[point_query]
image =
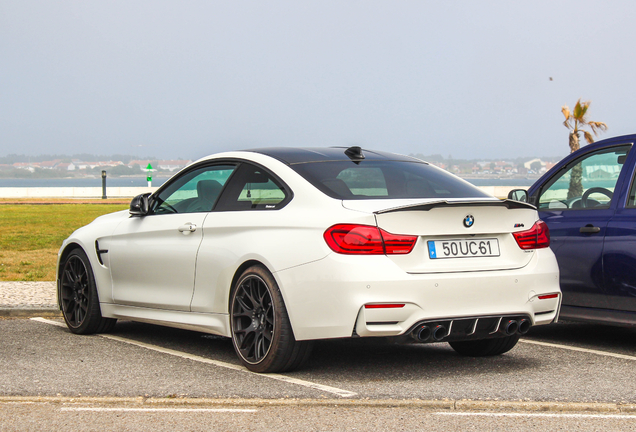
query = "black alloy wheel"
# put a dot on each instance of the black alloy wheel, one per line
(78, 296)
(253, 319)
(261, 332)
(75, 291)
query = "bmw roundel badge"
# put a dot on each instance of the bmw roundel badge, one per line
(469, 220)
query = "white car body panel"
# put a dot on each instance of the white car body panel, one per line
(218, 324)
(446, 223)
(142, 278)
(152, 262)
(320, 310)
(230, 239)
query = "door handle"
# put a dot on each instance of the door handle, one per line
(187, 228)
(590, 229)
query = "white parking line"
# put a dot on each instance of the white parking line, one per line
(562, 415)
(585, 350)
(46, 321)
(215, 410)
(278, 377)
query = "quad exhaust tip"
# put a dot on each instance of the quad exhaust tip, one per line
(510, 327)
(433, 332)
(439, 333)
(524, 326)
(425, 333)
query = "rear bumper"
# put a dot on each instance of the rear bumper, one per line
(327, 298)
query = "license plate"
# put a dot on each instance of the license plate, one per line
(439, 249)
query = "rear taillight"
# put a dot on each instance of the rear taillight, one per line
(352, 239)
(397, 244)
(536, 237)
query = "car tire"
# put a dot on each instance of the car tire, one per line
(261, 331)
(78, 296)
(485, 347)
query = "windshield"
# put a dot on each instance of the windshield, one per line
(385, 180)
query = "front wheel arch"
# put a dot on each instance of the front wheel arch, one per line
(65, 253)
(77, 294)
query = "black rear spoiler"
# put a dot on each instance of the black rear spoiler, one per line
(510, 204)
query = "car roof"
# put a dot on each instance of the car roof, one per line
(297, 155)
(608, 142)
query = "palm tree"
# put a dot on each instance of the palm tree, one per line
(575, 121)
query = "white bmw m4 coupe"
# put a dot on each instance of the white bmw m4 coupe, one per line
(278, 247)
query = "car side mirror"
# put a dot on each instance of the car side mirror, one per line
(518, 195)
(140, 205)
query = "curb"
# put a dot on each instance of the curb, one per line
(451, 405)
(50, 312)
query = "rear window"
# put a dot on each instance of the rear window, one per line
(385, 180)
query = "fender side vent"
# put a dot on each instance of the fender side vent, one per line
(100, 252)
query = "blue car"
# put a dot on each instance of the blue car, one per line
(588, 202)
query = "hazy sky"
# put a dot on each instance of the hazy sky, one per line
(184, 79)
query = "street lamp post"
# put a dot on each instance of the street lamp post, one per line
(103, 184)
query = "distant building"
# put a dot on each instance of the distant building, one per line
(528, 164)
(142, 163)
(50, 164)
(100, 164)
(29, 166)
(602, 172)
(87, 165)
(110, 163)
(168, 165)
(65, 166)
(172, 165)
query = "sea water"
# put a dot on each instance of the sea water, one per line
(158, 181)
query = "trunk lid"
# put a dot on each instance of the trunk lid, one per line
(455, 235)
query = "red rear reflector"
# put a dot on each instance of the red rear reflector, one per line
(548, 296)
(367, 240)
(384, 306)
(536, 237)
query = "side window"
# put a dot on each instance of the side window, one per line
(194, 191)
(588, 183)
(253, 188)
(631, 199)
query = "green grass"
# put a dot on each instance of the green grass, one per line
(31, 235)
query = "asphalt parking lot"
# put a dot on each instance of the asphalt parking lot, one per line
(567, 376)
(563, 363)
